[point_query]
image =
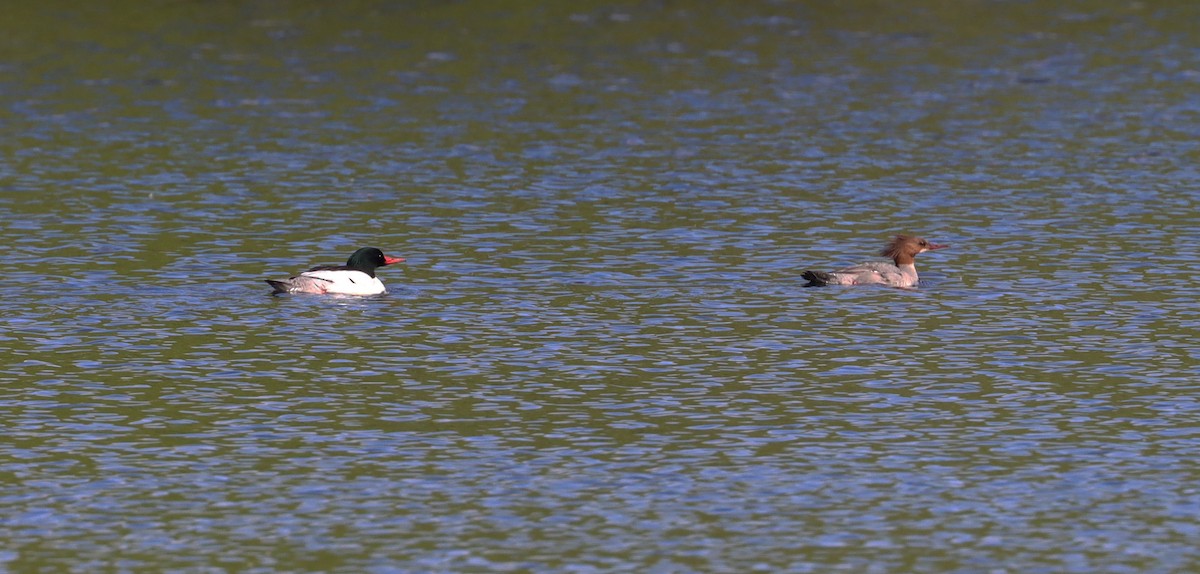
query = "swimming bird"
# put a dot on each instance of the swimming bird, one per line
(901, 272)
(356, 277)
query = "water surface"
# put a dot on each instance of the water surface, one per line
(599, 356)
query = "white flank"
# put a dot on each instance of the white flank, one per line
(348, 282)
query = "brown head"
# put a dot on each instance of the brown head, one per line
(903, 249)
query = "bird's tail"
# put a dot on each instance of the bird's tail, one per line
(279, 286)
(816, 278)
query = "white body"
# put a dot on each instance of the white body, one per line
(337, 281)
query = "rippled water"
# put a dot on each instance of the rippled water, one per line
(599, 356)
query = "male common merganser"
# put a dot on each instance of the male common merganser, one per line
(356, 277)
(902, 272)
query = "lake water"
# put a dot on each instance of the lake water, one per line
(599, 356)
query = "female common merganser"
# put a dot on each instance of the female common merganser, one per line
(356, 277)
(901, 273)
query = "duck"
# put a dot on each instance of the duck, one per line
(356, 277)
(900, 272)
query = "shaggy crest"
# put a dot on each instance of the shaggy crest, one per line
(896, 246)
